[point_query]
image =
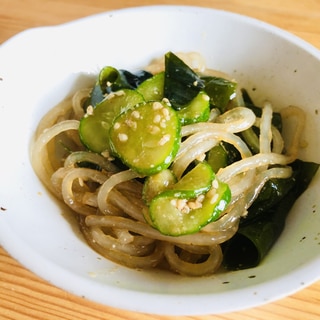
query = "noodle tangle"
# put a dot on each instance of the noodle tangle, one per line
(108, 201)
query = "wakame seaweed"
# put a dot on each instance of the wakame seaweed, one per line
(181, 83)
(266, 218)
(220, 91)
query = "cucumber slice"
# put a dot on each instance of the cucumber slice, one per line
(217, 158)
(157, 183)
(198, 110)
(195, 182)
(152, 88)
(222, 155)
(94, 128)
(146, 138)
(175, 216)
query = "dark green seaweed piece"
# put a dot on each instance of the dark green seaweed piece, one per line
(96, 96)
(111, 79)
(220, 91)
(256, 236)
(181, 83)
(272, 192)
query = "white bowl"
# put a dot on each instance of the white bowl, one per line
(40, 67)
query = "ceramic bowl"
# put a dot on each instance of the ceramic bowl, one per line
(40, 67)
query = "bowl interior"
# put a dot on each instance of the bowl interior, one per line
(53, 62)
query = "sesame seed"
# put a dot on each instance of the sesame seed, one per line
(106, 154)
(131, 124)
(166, 101)
(194, 205)
(185, 210)
(214, 198)
(166, 113)
(157, 118)
(163, 124)
(153, 129)
(174, 202)
(215, 184)
(157, 105)
(164, 139)
(123, 137)
(200, 198)
(181, 203)
(135, 114)
(90, 110)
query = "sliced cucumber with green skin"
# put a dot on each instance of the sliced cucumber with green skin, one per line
(147, 137)
(152, 88)
(175, 216)
(94, 127)
(157, 183)
(217, 158)
(198, 110)
(194, 183)
(222, 155)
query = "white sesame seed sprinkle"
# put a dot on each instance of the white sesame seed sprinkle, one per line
(157, 118)
(166, 113)
(153, 129)
(214, 198)
(174, 202)
(90, 110)
(157, 105)
(123, 137)
(200, 198)
(131, 124)
(135, 114)
(164, 139)
(166, 101)
(215, 184)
